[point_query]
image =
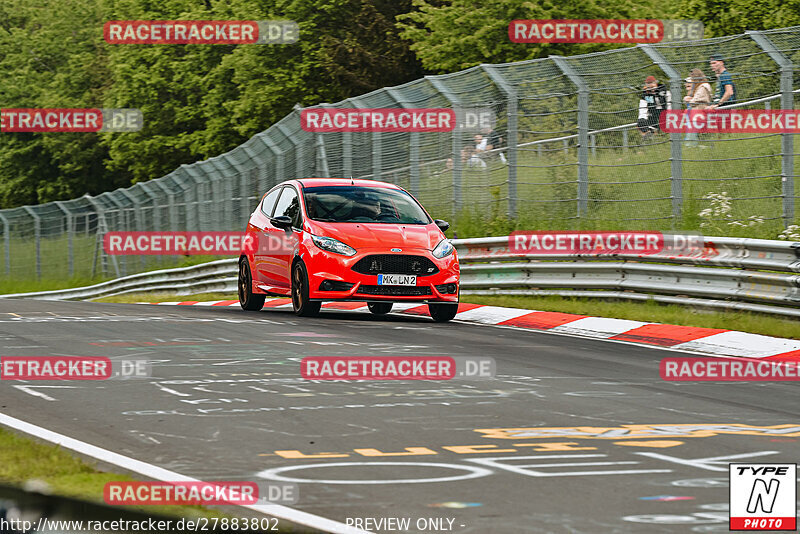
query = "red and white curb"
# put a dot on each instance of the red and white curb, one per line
(709, 341)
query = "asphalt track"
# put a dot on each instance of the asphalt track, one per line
(226, 394)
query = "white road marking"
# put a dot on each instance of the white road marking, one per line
(30, 391)
(165, 475)
(707, 463)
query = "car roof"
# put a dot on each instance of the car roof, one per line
(317, 182)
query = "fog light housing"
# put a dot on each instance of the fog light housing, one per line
(335, 285)
(447, 289)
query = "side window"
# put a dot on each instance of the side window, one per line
(269, 201)
(289, 205)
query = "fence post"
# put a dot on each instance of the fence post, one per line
(413, 148)
(102, 226)
(194, 188)
(230, 222)
(787, 139)
(70, 251)
(272, 146)
(676, 155)
(154, 199)
(7, 241)
(376, 146)
(137, 219)
(37, 235)
(121, 210)
(457, 141)
(583, 132)
(512, 103)
(298, 152)
(157, 226)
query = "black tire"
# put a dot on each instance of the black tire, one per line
(303, 307)
(442, 312)
(380, 308)
(247, 299)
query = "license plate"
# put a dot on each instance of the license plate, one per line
(397, 280)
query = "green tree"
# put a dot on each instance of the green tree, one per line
(457, 34)
(730, 17)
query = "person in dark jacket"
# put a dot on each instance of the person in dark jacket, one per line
(654, 100)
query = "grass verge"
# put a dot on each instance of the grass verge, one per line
(23, 459)
(651, 311)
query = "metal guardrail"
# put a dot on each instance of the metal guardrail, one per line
(731, 273)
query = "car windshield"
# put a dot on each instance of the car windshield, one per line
(351, 203)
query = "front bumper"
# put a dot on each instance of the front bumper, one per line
(322, 266)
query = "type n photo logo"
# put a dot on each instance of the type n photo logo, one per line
(763, 497)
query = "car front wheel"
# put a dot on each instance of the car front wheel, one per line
(380, 308)
(442, 312)
(303, 307)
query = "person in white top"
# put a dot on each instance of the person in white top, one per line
(698, 98)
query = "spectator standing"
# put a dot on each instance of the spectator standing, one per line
(655, 99)
(698, 98)
(726, 90)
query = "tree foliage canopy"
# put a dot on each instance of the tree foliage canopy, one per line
(201, 100)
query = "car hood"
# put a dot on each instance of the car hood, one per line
(376, 235)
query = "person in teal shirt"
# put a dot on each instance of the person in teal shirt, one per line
(726, 90)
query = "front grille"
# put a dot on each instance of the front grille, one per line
(395, 291)
(395, 264)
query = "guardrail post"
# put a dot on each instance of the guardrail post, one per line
(676, 156)
(787, 139)
(7, 243)
(455, 102)
(37, 236)
(583, 132)
(68, 228)
(512, 103)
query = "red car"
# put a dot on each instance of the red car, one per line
(349, 240)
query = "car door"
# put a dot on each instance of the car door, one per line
(261, 225)
(288, 205)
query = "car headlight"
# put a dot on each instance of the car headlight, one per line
(332, 245)
(443, 249)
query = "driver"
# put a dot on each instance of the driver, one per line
(369, 206)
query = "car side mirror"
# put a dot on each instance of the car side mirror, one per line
(281, 221)
(443, 225)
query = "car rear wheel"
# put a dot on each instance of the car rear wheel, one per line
(247, 299)
(380, 308)
(303, 307)
(442, 312)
